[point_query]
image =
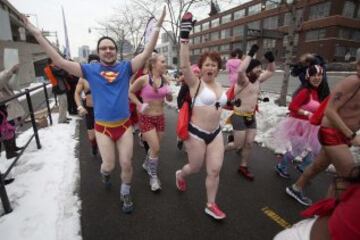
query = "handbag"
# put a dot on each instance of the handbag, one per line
(184, 116)
(7, 131)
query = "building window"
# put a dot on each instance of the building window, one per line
(239, 14)
(215, 22)
(299, 15)
(226, 19)
(206, 37)
(238, 31)
(197, 28)
(315, 34)
(340, 51)
(254, 25)
(214, 36)
(286, 40)
(236, 45)
(271, 23)
(205, 26)
(254, 9)
(272, 4)
(214, 48)
(197, 51)
(225, 47)
(165, 49)
(356, 36)
(349, 9)
(225, 33)
(319, 11)
(269, 44)
(197, 40)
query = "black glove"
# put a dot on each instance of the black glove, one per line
(186, 26)
(254, 48)
(269, 56)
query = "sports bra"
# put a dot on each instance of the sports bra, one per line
(207, 97)
(148, 93)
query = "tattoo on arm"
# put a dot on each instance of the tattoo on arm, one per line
(338, 96)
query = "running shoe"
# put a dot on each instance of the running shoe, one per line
(180, 183)
(127, 203)
(246, 173)
(214, 211)
(106, 180)
(281, 172)
(155, 183)
(298, 196)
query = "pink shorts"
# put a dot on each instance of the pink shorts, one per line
(147, 123)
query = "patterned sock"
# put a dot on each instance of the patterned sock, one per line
(125, 189)
(153, 166)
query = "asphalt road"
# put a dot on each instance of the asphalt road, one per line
(255, 210)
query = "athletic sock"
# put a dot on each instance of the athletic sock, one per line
(125, 189)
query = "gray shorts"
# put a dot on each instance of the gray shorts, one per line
(241, 123)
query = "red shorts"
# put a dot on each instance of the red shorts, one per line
(147, 123)
(113, 132)
(332, 137)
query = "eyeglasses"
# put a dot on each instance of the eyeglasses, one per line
(111, 48)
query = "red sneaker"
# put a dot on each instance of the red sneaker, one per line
(213, 210)
(180, 183)
(246, 173)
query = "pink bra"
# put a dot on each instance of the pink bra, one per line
(148, 93)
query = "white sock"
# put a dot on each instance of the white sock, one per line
(125, 189)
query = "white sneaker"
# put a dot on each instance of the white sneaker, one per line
(155, 184)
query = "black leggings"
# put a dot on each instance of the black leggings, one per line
(205, 136)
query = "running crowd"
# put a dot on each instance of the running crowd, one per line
(320, 127)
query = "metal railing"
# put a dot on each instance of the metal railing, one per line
(3, 195)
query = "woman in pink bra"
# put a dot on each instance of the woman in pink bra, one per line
(295, 132)
(154, 89)
(205, 142)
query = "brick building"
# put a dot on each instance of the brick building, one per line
(328, 27)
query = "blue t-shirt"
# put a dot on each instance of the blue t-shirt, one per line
(110, 89)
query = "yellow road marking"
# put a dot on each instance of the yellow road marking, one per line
(275, 217)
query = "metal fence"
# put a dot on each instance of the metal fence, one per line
(3, 195)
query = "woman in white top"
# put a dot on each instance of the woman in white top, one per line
(205, 143)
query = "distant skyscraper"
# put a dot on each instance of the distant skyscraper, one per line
(84, 52)
(67, 45)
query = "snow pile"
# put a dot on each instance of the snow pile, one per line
(43, 196)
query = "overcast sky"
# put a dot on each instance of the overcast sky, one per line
(80, 15)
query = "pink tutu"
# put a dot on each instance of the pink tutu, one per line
(299, 134)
